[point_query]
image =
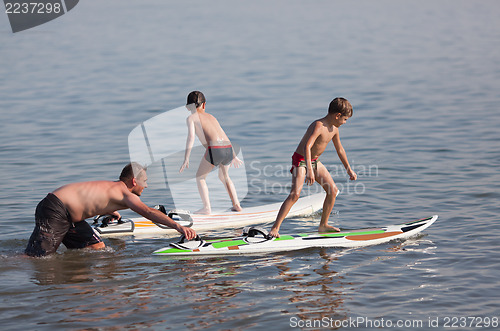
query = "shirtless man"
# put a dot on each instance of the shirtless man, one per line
(219, 150)
(306, 164)
(60, 217)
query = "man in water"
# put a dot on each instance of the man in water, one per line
(60, 216)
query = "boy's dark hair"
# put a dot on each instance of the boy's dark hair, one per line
(195, 97)
(131, 170)
(340, 105)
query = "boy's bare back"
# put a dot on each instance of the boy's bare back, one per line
(207, 129)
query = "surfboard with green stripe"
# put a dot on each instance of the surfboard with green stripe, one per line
(255, 240)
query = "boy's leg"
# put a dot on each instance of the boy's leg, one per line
(228, 184)
(201, 179)
(324, 178)
(298, 177)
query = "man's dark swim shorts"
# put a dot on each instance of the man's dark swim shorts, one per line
(54, 225)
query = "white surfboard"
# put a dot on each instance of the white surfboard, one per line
(218, 220)
(257, 241)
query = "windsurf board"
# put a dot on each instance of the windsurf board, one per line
(141, 226)
(257, 241)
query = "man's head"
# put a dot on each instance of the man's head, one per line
(134, 176)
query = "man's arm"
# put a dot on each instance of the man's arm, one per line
(343, 156)
(134, 202)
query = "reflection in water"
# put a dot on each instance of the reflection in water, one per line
(86, 289)
(73, 267)
(223, 290)
(219, 287)
(316, 296)
(210, 282)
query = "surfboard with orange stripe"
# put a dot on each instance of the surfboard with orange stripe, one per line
(217, 220)
(256, 241)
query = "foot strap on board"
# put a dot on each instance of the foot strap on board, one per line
(106, 220)
(253, 231)
(180, 216)
(193, 244)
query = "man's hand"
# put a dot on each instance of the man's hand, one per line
(187, 232)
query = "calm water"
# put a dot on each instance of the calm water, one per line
(423, 79)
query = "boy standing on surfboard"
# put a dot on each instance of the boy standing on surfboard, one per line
(219, 150)
(306, 164)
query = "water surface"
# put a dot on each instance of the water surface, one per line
(423, 80)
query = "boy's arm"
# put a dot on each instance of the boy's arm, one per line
(189, 143)
(236, 162)
(310, 178)
(343, 156)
